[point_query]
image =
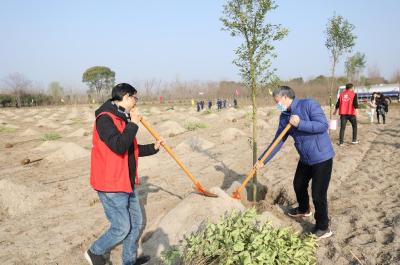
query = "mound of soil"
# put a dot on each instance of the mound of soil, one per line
(78, 133)
(231, 134)
(49, 146)
(186, 217)
(194, 143)
(29, 132)
(18, 199)
(170, 128)
(68, 152)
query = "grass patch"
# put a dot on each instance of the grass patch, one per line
(239, 239)
(51, 136)
(362, 106)
(7, 129)
(192, 126)
(207, 111)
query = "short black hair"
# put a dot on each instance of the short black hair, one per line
(120, 90)
(349, 85)
(284, 91)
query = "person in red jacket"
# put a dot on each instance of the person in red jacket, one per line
(114, 174)
(347, 105)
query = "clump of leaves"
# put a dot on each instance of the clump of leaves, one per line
(51, 136)
(239, 239)
(7, 129)
(362, 106)
(192, 126)
(207, 111)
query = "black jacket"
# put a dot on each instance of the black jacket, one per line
(121, 142)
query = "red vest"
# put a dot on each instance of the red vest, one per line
(346, 106)
(109, 171)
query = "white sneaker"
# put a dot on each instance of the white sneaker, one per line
(355, 142)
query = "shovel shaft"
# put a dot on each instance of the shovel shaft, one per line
(264, 157)
(170, 151)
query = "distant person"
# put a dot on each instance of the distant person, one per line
(235, 103)
(224, 103)
(202, 104)
(209, 104)
(347, 105)
(198, 106)
(372, 106)
(382, 107)
(114, 174)
(310, 134)
(219, 104)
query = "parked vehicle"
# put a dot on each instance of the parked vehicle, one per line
(364, 93)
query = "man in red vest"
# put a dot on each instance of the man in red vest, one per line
(347, 104)
(114, 175)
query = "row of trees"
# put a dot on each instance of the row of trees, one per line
(177, 90)
(19, 91)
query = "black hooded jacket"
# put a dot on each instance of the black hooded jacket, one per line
(121, 142)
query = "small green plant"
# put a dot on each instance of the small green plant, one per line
(249, 115)
(51, 136)
(239, 239)
(7, 129)
(77, 120)
(271, 112)
(192, 126)
(207, 111)
(362, 106)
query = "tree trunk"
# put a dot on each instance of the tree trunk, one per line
(254, 118)
(331, 88)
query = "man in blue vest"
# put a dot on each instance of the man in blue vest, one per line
(311, 139)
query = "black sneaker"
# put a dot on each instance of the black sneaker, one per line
(295, 212)
(94, 259)
(142, 260)
(321, 234)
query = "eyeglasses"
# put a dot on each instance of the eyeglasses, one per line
(135, 97)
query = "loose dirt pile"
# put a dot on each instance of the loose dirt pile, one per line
(186, 217)
(18, 199)
(68, 152)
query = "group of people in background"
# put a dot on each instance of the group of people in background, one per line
(378, 104)
(221, 104)
(347, 105)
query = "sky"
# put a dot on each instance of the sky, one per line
(176, 39)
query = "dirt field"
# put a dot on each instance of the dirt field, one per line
(50, 215)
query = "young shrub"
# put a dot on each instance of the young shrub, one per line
(192, 126)
(7, 129)
(51, 136)
(239, 239)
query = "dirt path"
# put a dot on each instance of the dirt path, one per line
(365, 206)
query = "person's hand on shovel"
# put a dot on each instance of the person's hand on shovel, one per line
(135, 116)
(259, 165)
(158, 143)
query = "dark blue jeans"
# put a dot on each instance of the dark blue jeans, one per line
(125, 215)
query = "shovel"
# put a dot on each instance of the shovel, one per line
(236, 194)
(167, 148)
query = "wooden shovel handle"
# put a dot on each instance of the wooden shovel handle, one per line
(270, 149)
(169, 150)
